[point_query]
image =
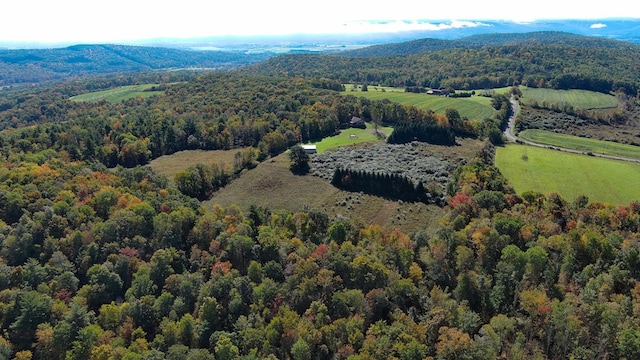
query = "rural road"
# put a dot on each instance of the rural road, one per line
(510, 131)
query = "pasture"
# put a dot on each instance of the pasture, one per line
(474, 108)
(582, 99)
(581, 144)
(118, 94)
(529, 168)
(353, 136)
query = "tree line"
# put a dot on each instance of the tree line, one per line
(393, 186)
(593, 66)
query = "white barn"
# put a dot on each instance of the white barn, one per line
(310, 149)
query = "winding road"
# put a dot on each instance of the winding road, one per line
(510, 131)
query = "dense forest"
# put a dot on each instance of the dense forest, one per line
(118, 264)
(103, 258)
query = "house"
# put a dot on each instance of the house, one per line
(310, 149)
(438, 92)
(357, 122)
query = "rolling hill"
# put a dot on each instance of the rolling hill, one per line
(539, 59)
(479, 41)
(37, 65)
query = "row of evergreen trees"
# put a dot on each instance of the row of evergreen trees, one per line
(393, 186)
(406, 131)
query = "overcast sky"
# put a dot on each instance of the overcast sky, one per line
(126, 20)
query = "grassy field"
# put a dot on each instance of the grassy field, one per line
(582, 99)
(271, 184)
(571, 175)
(169, 165)
(473, 108)
(118, 94)
(581, 144)
(352, 136)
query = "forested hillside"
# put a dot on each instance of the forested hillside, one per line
(215, 111)
(38, 65)
(421, 46)
(103, 258)
(99, 264)
(580, 63)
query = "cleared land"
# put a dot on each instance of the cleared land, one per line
(118, 94)
(353, 136)
(169, 165)
(473, 108)
(530, 168)
(271, 184)
(581, 144)
(582, 99)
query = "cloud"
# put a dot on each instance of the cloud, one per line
(598, 26)
(406, 25)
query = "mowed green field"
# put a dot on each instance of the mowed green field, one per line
(473, 108)
(581, 144)
(118, 94)
(571, 175)
(353, 136)
(582, 99)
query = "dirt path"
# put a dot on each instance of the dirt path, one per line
(509, 133)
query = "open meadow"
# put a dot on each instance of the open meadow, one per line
(582, 99)
(354, 136)
(581, 144)
(271, 184)
(169, 165)
(118, 94)
(529, 168)
(473, 108)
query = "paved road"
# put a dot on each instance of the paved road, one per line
(509, 131)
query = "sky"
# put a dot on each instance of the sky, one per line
(82, 21)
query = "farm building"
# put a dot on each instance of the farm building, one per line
(357, 122)
(310, 149)
(438, 92)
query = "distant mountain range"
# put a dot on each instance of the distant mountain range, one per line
(34, 65)
(482, 40)
(38, 65)
(541, 59)
(618, 29)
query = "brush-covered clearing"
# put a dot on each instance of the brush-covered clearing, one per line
(272, 185)
(542, 170)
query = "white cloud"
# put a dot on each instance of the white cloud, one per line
(117, 20)
(403, 25)
(598, 26)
